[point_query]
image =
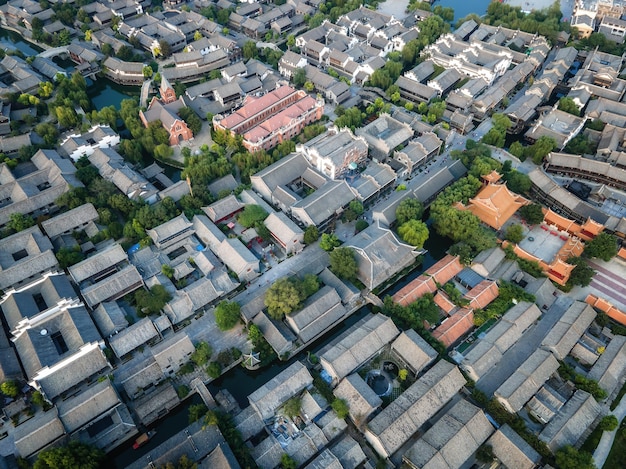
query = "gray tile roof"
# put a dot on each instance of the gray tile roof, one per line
(35, 434)
(320, 312)
(113, 287)
(571, 422)
(572, 325)
(512, 450)
(195, 441)
(81, 409)
(362, 400)
(357, 345)
(452, 440)
(161, 400)
(275, 392)
(109, 318)
(414, 350)
(72, 371)
(380, 255)
(132, 337)
(526, 380)
(97, 263)
(70, 221)
(36, 345)
(401, 419)
(21, 304)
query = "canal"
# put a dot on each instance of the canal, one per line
(462, 8)
(241, 382)
(12, 40)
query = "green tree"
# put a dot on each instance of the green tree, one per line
(202, 353)
(75, 455)
(485, 454)
(311, 234)
(251, 214)
(603, 246)
(165, 48)
(340, 406)
(282, 298)
(409, 209)
(569, 457)
(360, 225)
(414, 232)
(532, 213)
(152, 301)
(357, 207)
(48, 132)
(167, 270)
(514, 233)
(608, 423)
(250, 50)
(196, 412)
(10, 388)
(329, 242)
(287, 462)
(191, 119)
(292, 407)
(227, 315)
(567, 104)
(45, 89)
(540, 149)
(68, 256)
(147, 71)
(214, 370)
(343, 263)
(517, 149)
(581, 274)
(517, 182)
(308, 285)
(19, 221)
(299, 77)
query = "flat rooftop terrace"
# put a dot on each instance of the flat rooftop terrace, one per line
(543, 242)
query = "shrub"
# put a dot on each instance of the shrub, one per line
(214, 369)
(182, 391)
(340, 406)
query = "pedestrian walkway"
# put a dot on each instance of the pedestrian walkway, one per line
(606, 442)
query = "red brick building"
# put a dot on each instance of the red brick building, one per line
(166, 111)
(266, 121)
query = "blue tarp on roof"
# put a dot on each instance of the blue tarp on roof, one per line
(469, 278)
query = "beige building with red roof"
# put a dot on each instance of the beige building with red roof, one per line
(607, 308)
(266, 121)
(442, 300)
(455, 327)
(482, 294)
(440, 273)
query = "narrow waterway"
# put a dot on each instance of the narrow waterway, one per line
(12, 40)
(462, 8)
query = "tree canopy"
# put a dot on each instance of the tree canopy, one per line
(329, 242)
(409, 209)
(287, 294)
(603, 246)
(532, 213)
(414, 232)
(569, 457)
(75, 455)
(582, 273)
(227, 314)
(311, 234)
(251, 214)
(343, 263)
